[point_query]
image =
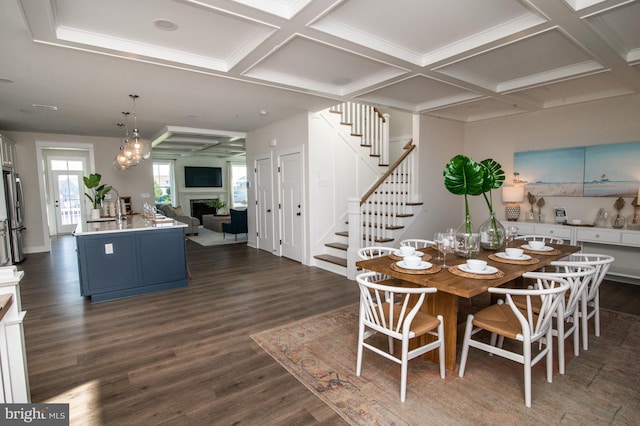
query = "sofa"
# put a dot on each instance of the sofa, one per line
(176, 213)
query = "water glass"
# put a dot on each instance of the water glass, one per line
(438, 240)
(448, 246)
(512, 233)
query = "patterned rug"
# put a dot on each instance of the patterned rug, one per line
(601, 386)
(207, 237)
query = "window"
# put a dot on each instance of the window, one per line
(163, 183)
(239, 185)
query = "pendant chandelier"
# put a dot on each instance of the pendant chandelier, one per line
(133, 149)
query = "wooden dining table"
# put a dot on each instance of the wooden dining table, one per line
(452, 285)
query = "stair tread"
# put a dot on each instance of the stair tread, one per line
(332, 259)
(338, 246)
(377, 240)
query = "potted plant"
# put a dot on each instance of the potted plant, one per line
(217, 204)
(463, 176)
(98, 192)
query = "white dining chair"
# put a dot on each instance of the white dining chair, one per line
(590, 303)
(365, 253)
(578, 276)
(548, 239)
(402, 321)
(417, 243)
(525, 326)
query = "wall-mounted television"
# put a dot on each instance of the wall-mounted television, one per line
(202, 177)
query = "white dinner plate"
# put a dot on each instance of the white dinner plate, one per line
(422, 265)
(545, 248)
(503, 255)
(415, 253)
(487, 271)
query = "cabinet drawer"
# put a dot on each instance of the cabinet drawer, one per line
(523, 228)
(631, 238)
(599, 236)
(554, 231)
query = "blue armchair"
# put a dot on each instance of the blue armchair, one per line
(238, 224)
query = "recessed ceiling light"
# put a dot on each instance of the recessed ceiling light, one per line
(165, 25)
(48, 107)
(263, 112)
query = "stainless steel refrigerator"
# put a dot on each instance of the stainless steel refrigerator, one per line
(15, 212)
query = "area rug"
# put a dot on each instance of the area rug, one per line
(207, 237)
(601, 386)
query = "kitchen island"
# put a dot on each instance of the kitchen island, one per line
(130, 258)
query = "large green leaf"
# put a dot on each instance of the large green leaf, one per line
(494, 175)
(92, 180)
(463, 176)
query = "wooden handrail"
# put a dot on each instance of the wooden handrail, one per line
(408, 148)
(380, 115)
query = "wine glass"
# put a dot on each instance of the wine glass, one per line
(438, 240)
(512, 233)
(448, 246)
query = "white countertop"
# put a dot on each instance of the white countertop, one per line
(132, 223)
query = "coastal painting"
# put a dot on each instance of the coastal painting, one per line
(612, 170)
(551, 172)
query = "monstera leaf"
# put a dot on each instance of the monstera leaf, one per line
(494, 175)
(463, 176)
(493, 179)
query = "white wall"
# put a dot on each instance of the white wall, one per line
(602, 122)
(133, 182)
(438, 141)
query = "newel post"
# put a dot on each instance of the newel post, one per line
(385, 139)
(355, 239)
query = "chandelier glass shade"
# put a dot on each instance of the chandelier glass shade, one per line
(133, 149)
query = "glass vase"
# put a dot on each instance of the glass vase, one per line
(467, 241)
(618, 221)
(492, 234)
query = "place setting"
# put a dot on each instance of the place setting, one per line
(414, 264)
(514, 256)
(405, 251)
(476, 269)
(539, 247)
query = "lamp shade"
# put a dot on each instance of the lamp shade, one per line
(512, 194)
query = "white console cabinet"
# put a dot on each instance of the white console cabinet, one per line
(623, 244)
(13, 357)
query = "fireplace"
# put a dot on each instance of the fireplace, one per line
(199, 208)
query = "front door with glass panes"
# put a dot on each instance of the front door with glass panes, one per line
(67, 195)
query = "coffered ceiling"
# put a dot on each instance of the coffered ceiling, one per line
(237, 65)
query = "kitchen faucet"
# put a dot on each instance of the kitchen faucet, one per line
(118, 207)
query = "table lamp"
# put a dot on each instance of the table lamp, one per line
(634, 219)
(512, 195)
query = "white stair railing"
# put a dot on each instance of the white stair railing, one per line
(367, 122)
(373, 218)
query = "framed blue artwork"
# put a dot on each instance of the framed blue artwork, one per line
(551, 172)
(611, 170)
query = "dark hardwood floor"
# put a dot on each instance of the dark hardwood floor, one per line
(184, 357)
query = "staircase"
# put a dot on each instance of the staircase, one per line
(381, 214)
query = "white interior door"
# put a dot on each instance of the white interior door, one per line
(291, 219)
(264, 205)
